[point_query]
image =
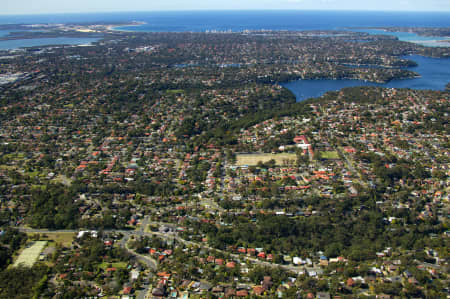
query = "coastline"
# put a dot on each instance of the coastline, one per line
(427, 37)
(118, 27)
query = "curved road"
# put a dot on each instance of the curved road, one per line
(151, 263)
(148, 261)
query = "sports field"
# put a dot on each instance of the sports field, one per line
(253, 159)
(330, 155)
(30, 255)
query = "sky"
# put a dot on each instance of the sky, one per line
(75, 6)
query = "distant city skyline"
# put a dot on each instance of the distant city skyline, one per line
(90, 6)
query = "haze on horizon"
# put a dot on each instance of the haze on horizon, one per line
(18, 7)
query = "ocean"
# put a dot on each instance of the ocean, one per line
(200, 21)
(238, 21)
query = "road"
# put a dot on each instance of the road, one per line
(174, 236)
(146, 260)
(122, 243)
(151, 263)
(350, 166)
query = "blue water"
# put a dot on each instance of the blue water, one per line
(435, 74)
(429, 41)
(281, 20)
(4, 32)
(199, 21)
(36, 42)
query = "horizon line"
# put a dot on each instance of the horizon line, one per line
(225, 10)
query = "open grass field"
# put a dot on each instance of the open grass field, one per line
(14, 156)
(119, 265)
(8, 167)
(63, 180)
(329, 155)
(174, 91)
(30, 255)
(63, 238)
(253, 159)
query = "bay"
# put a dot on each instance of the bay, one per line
(434, 72)
(428, 41)
(37, 42)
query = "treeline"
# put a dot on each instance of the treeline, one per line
(225, 133)
(355, 233)
(24, 283)
(10, 241)
(53, 207)
(18, 282)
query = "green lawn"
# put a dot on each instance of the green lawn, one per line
(7, 167)
(63, 238)
(330, 155)
(174, 91)
(118, 265)
(253, 159)
(30, 255)
(34, 174)
(14, 156)
(42, 187)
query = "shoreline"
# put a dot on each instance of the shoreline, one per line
(133, 24)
